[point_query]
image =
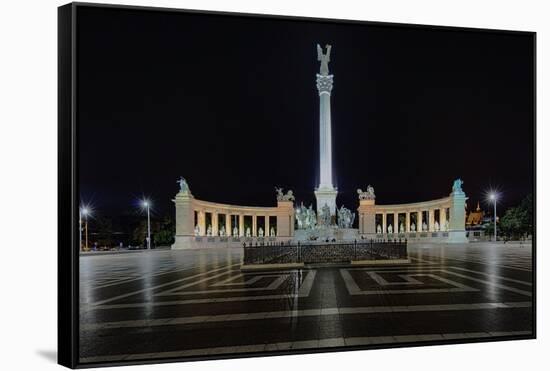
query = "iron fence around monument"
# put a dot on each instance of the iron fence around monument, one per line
(270, 254)
(309, 253)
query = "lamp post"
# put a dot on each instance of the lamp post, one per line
(493, 196)
(80, 229)
(146, 204)
(84, 211)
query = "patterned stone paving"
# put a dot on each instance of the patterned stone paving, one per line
(162, 304)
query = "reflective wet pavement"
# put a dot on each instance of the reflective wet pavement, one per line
(161, 304)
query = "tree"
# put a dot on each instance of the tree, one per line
(512, 222)
(527, 206)
(163, 232)
(104, 231)
(517, 222)
(139, 234)
(489, 228)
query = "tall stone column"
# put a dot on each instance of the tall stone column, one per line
(384, 223)
(431, 220)
(395, 222)
(457, 214)
(407, 221)
(326, 193)
(266, 232)
(419, 221)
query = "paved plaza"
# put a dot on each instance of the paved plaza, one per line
(166, 303)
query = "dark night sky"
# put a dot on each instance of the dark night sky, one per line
(230, 103)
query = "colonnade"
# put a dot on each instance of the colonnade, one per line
(423, 220)
(233, 219)
(427, 216)
(196, 218)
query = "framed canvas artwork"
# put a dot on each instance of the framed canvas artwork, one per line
(237, 185)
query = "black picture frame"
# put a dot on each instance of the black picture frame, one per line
(68, 190)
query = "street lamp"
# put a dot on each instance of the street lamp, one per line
(146, 204)
(83, 212)
(493, 197)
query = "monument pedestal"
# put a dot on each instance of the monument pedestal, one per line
(326, 196)
(347, 234)
(285, 218)
(184, 242)
(184, 220)
(326, 233)
(457, 237)
(367, 216)
(321, 234)
(457, 214)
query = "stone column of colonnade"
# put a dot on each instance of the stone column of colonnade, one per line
(201, 222)
(241, 224)
(431, 220)
(266, 226)
(215, 223)
(407, 221)
(442, 218)
(254, 225)
(228, 230)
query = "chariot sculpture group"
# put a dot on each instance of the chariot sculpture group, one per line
(366, 195)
